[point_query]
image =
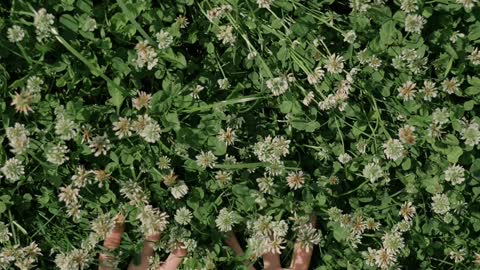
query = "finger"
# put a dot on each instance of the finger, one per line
(112, 241)
(301, 257)
(271, 261)
(147, 251)
(174, 259)
(232, 242)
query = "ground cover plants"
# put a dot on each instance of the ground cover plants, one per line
(196, 118)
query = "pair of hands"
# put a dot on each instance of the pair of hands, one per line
(300, 259)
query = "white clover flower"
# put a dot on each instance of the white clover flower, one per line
(315, 77)
(308, 98)
(393, 149)
(349, 36)
(457, 256)
(100, 145)
(225, 35)
(196, 91)
(134, 193)
(414, 23)
(223, 83)
(440, 116)
(4, 233)
(428, 90)
(69, 195)
(278, 85)
(57, 154)
(265, 184)
(142, 100)
(65, 128)
(407, 91)
(152, 220)
(151, 132)
(223, 178)
(344, 158)
(393, 242)
(295, 180)
(15, 34)
(334, 64)
(123, 127)
(440, 204)
(81, 177)
(264, 3)
(271, 149)
(455, 174)
(13, 169)
(35, 84)
(183, 216)
(450, 86)
(474, 57)
(227, 136)
(409, 6)
(471, 134)
(43, 23)
(146, 55)
(179, 190)
(164, 39)
(385, 258)
(102, 226)
(467, 4)
(163, 163)
(407, 211)
(18, 138)
(206, 159)
(372, 172)
(226, 219)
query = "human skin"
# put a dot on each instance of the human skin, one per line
(300, 260)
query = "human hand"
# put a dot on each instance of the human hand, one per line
(300, 260)
(112, 241)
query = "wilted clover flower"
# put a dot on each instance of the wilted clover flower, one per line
(407, 91)
(455, 174)
(457, 256)
(164, 39)
(440, 204)
(81, 177)
(142, 100)
(471, 134)
(278, 85)
(13, 169)
(384, 258)
(407, 211)
(308, 236)
(163, 163)
(183, 216)
(22, 101)
(393, 149)
(372, 172)
(43, 22)
(206, 159)
(295, 180)
(226, 219)
(315, 77)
